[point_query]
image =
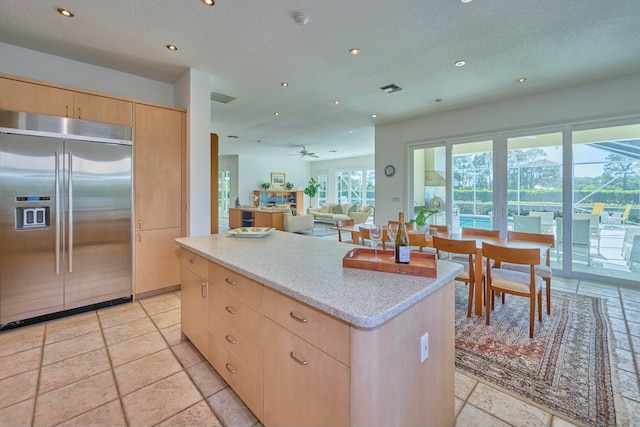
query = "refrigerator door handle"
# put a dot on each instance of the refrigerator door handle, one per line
(70, 225)
(57, 207)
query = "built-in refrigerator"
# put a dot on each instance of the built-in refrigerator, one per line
(65, 216)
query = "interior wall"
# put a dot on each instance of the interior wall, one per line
(36, 65)
(608, 99)
(331, 168)
(254, 170)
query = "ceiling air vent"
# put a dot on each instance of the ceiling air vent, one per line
(391, 88)
(223, 99)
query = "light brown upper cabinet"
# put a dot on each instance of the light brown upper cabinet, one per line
(51, 101)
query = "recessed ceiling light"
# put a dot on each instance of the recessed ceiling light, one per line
(65, 12)
(335, 101)
(465, 1)
(259, 141)
(209, 2)
(374, 115)
(284, 84)
(276, 114)
(350, 131)
(354, 51)
(172, 47)
(522, 80)
(438, 100)
(459, 63)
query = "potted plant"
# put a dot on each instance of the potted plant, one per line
(265, 185)
(289, 185)
(421, 219)
(312, 189)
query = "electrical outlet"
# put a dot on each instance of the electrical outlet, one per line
(424, 347)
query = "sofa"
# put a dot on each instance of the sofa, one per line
(331, 212)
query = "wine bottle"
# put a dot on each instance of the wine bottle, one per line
(402, 247)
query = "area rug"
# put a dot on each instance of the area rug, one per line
(565, 368)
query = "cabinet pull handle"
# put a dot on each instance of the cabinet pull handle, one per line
(231, 368)
(298, 317)
(79, 112)
(297, 359)
(67, 110)
(203, 289)
(193, 261)
(139, 224)
(139, 237)
(231, 282)
(230, 338)
(230, 309)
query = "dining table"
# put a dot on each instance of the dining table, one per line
(479, 260)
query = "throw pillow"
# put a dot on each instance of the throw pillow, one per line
(337, 209)
(325, 208)
(353, 208)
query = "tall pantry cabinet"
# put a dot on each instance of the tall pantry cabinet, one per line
(159, 206)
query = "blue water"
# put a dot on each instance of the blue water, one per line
(475, 221)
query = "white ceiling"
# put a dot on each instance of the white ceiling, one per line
(250, 47)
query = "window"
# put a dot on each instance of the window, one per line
(356, 186)
(322, 190)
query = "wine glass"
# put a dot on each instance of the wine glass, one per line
(392, 229)
(375, 232)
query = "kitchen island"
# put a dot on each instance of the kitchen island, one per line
(304, 341)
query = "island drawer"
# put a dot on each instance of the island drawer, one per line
(236, 285)
(236, 343)
(195, 263)
(246, 385)
(329, 334)
(236, 313)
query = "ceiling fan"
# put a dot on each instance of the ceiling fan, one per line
(305, 153)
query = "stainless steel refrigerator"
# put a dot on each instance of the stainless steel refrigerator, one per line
(65, 216)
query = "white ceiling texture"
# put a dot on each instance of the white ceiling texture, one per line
(250, 46)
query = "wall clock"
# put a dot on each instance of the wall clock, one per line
(389, 170)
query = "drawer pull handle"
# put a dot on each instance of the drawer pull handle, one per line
(230, 338)
(193, 261)
(298, 317)
(231, 282)
(230, 309)
(203, 289)
(297, 359)
(231, 368)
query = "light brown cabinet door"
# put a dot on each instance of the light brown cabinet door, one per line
(157, 259)
(193, 292)
(102, 109)
(302, 385)
(34, 98)
(157, 167)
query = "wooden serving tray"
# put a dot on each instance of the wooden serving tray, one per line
(421, 264)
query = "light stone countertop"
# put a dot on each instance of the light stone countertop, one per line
(310, 269)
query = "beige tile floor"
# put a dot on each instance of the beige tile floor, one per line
(127, 366)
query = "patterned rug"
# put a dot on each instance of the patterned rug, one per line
(566, 367)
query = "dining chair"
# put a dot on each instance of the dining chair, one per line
(527, 224)
(459, 247)
(543, 269)
(407, 224)
(478, 232)
(444, 229)
(417, 240)
(517, 283)
(347, 223)
(364, 236)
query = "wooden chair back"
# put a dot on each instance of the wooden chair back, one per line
(407, 224)
(478, 232)
(548, 239)
(443, 229)
(528, 256)
(418, 240)
(464, 247)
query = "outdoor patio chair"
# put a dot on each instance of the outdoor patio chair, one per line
(527, 224)
(597, 209)
(581, 241)
(620, 218)
(594, 225)
(546, 221)
(524, 284)
(634, 258)
(627, 242)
